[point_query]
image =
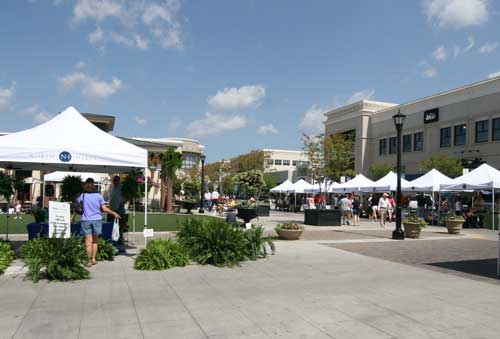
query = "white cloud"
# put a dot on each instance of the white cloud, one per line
(494, 75)
(366, 94)
(267, 129)
(38, 114)
(140, 120)
(440, 54)
(456, 13)
(488, 47)
(91, 87)
(215, 124)
(119, 21)
(457, 50)
(80, 65)
(7, 96)
(470, 44)
(236, 98)
(429, 72)
(312, 122)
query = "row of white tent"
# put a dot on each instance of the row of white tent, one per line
(482, 178)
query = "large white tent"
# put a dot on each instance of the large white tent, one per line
(429, 182)
(282, 188)
(70, 142)
(300, 186)
(387, 183)
(324, 187)
(60, 175)
(353, 185)
(483, 177)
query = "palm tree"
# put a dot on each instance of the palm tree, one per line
(171, 160)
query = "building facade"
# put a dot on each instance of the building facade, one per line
(461, 123)
(285, 164)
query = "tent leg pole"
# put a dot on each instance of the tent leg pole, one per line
(493, 208)
(145, 197)
(43, 194)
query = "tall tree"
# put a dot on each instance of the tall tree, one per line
(171, 161)
(451, 167)
(379, 170)
(255, 160)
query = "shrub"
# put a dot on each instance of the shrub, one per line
(56, 258)
(289, 226)
(105, 250)
(413, 219)
(161, 254)
(213, 241)
(6, 255)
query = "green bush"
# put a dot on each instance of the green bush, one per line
(6, 255)
(161, 254)
(56, 258)
(105, 250)
(213, 241)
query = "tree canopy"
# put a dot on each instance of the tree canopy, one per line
(451, 167)
(379, 170)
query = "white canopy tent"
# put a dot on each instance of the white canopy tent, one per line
(387, 183)
(60, 175)
(300, 186)
(353, 185)
(429, 182)
(324, 187)
(70, 142)
(282, 188)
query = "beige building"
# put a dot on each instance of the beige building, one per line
(463, 123)
(284, 164)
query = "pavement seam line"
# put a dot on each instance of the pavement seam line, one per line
(133, 302)
(29, 309)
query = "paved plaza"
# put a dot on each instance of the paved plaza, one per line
(343, 282)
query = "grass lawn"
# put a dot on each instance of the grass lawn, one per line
(159, 222)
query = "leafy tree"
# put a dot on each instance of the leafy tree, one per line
(251, 182)
(192, 187)
(330, 157)
(133, 186)
(254, 160)
(377, 171)
(71, 188)
(451, 167)
(269, 182)
(171, 161)
(6, 185)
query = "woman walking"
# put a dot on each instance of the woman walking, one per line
(356, 209)
(92, 204)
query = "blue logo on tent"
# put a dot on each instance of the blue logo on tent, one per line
(65, 156)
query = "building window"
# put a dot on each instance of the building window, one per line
(295, 162)
(496, 129)
(418, 141)
(460, 135)
(445, 139)
(407, 143)
(277, 162)
(286, 162)
(392, 145)
(482, 131)
(190, 160)
(382, 148)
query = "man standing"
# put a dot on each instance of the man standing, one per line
(207, 200)
(117, 205)
(345, 207)
(383, 206)
(215, 199)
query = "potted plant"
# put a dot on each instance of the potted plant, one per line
(413, 225)
(189, 205)
(289, 231)
(263, 209)
(454, 224)
(250, 183)
(247, 210)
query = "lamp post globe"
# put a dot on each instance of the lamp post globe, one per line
(399, 120)
(201, 210)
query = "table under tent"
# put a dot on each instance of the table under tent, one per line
(69, 142)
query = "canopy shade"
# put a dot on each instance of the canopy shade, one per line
(69, 141)
(429, 182)
(387, 183)
(483, 177)
(283, 187)
(353, 185)
(324, 187)
(59, 176)
(300, 186)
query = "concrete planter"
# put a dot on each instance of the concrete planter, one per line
(247, 214)
(412, 230)
(322, 217)
(289, 234)
(263, 210)
(454, 226)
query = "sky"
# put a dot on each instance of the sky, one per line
(236, 75)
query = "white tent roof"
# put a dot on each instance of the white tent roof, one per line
(428, 182)
(69, 141)
(300, 186)
(483, 177)
(283, 187)
(323, 187)
(353, 185)
(387, 183)
(59, 176)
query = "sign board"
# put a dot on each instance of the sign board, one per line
(342, 179)
(465, 171)
(59, 219)
(148, 232)
(431, 115)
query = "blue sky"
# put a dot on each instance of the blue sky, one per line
(236, 75)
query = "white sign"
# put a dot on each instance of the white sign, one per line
(465, 171)
(148, 232)
(342, 179)
(59, 220)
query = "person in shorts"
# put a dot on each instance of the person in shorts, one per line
(356, 209)
(383, 207)
(345, 208)
(92, 204)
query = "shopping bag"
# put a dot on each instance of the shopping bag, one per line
(115, 234)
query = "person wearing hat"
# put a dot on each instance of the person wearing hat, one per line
(383, 207)
(92, 204)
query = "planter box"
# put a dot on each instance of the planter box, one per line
(412, 230)
(289, 234)
(189, 205)
(322, 217)
(263, 210)
(247, 214)
(454, 226)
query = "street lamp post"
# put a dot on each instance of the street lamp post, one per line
(399, 120)
(202, 183)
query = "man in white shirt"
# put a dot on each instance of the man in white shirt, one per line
(207, 200)
(345, 208)
(383, 206)
(215, 199)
